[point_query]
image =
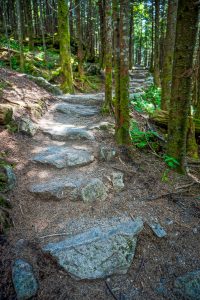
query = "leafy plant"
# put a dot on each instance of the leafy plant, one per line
(142, 139)
(172, 164)
(148, 101)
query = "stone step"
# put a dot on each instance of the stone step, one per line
(137, 80)
(77, 109)
(65, 133)
(86, 99)
(100, 251)
(87, 190)
(62, 156)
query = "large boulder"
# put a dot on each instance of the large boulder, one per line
(98, 252)
(28, 127)
(24, 280)
(45, 84)
(94, 190)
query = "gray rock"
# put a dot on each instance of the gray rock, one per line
(86, 99)
(58, 189)
(98, 252)
(118, 181)
(61, 156)
(103, 126)
(45, 84)
(24, 280)
(157, 229)
(107, 153)
(66, 133)
(11, 178)
(94, 190)
(78, 109)
(28, 127)
(71, 189)
(188, 286)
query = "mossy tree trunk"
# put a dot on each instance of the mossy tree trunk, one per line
(20, 34)
(187, 17)
(108, 57)
(122, 77)
(157, 45)
(65, 53)
(168, 53)
(80, 54)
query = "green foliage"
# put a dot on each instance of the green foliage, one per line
(148, 101)
(12, 127)
(172, 164)
(143, 139)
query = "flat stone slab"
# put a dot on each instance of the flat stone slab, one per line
(56, 189)
(61, 157)
(86, 99)
(99, 252)
(65, 133)
(78, 109)
(87, 190)
(24, 280)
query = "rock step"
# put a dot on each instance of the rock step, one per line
(65, 133)
(86, 99)
(98, 252)
(77, 109)
(62, 156)
(87, 190)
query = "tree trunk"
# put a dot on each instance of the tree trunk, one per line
(131, 54)
(108, 57)
(187, 17)
(122, 103)
(20, 35)
(101, 4)
(157, 45)
(65, 53)
(168, 54)
(80, 54)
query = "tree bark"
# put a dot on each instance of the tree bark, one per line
(157, 45)
(187, 17)
(108, 56)
(122, 96)
(65, 53)
(168, 54)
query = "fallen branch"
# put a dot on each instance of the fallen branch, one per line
(51, 235)
(110, 290)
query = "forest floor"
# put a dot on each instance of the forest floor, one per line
(157, 262)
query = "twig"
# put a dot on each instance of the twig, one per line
(185, 186)
(110, 290)
(125, 171)
(139, 269)
(51, 235)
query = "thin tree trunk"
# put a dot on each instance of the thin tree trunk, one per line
(168, 53)
(157, 45)
(131, 39)
(80, 54)
(108, 56)
(20, 35)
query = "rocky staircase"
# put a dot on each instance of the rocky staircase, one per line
(67, 159)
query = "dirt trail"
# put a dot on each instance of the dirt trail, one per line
(43, 211)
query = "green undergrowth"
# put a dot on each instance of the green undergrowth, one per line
(143, 138)
(148, 101)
